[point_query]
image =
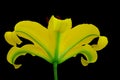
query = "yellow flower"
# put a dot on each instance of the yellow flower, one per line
(56, 43)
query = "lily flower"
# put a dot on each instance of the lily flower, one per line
(55, 44)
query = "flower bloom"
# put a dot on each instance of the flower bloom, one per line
(57, 43)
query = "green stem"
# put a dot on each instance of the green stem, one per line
(55, 70)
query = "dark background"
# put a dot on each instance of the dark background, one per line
(35, 68)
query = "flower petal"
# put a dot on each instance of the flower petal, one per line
(34, 50)
(34, 32)
(12, 38)
(90, 54)
(81, 34)
(58, 25)
(86, 50)
(102, 42)
(25, 28)
(11, 56)
(54, 41)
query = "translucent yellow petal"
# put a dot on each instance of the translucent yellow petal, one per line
(102, 42)
(12, 38)
(52, 42)
(58, 25)
(86, 50)
(34, 32)
(30, 30)
(34, 50)
(81, 34)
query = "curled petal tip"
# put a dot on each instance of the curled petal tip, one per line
(12, 38)
(74, 55)
(84, 62)
(102, 43)
(17, 66)
(58, 25)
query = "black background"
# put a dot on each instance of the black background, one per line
(35, 68)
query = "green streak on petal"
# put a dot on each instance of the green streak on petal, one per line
(65, 52)
(89, 53)
(57, 47)
(18, 53)
(85, 52)
(40, 44)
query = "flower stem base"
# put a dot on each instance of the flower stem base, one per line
(55, 70)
